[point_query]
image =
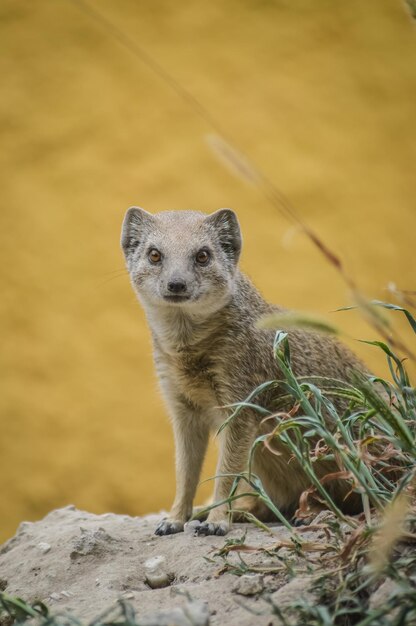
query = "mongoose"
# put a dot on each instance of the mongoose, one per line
(209, 353)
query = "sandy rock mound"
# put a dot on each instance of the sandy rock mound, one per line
(83, 563)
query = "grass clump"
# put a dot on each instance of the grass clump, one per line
(371, 441)
(18, 612)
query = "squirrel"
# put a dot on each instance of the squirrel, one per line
(209, 352)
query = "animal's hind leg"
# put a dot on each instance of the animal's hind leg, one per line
(250, 504)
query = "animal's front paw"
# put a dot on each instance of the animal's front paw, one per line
(169, 527)
(211, 528)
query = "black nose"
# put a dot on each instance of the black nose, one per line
(177, 286)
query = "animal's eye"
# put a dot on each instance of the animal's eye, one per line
(202, 257)
(154, 256)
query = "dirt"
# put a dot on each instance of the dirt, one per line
(82, 563)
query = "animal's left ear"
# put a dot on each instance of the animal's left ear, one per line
(228, 230)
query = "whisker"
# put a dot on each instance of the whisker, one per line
(104, 282)
(120, 269)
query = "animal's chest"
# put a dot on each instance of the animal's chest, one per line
(198, 378)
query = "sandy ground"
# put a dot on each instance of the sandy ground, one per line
(82, 563)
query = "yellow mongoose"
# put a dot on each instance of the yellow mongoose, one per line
(209, 352)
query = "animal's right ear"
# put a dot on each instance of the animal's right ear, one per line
(134, 226)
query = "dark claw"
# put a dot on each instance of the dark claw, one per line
(202, 530)
(166, 527)
(211, 528)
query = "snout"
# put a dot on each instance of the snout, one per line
(177, 290)
(177, 287)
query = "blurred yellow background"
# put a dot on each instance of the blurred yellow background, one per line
(320, 94)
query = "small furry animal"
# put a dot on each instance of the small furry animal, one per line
(209, 353)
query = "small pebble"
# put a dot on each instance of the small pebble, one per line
(156, 572)
(55, 596)
(44, 547)
(249, 585)
(128, 595)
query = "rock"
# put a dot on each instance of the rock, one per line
(288, 596)
(387, 589)
(197, 612)
(55, 596)
(127, 595)
(249, 585)
(157, 575)
(194, 613)
(44, 547)
(290, 593)
(92, 542)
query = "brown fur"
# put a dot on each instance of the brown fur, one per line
(209, 353)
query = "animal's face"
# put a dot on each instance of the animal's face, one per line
(182, 258)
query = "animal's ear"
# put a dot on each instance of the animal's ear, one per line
(134, 226)
(227, 227)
